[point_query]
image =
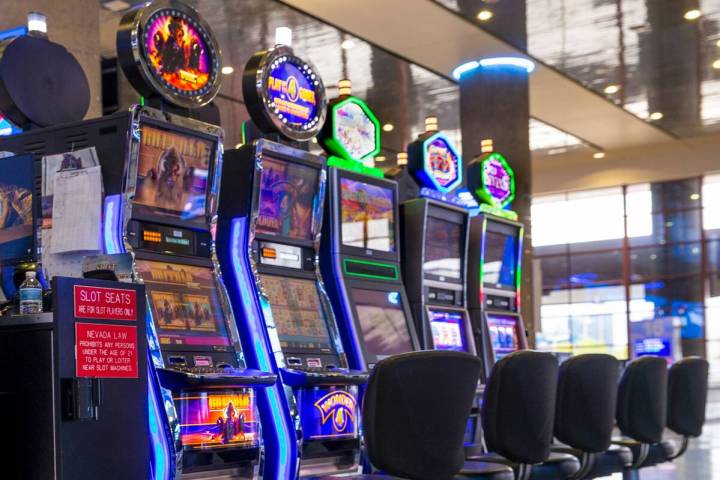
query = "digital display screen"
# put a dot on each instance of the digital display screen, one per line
(157, 237)
(448, 330)
(287, 199)
(216, 420)
(297, 312)
(367, 215)
(173, 173)
(443, 247)
(177, 52)
(504, 334)
(16, 207)
(185, 304)
(382, 320)
(500, 260)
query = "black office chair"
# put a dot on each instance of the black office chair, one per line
(518, 416)
(686, 402)
(585, 415)
(415, 414)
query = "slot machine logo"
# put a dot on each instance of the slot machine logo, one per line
(498, 181)
(340, 406)
(290, 89)
(442, 165)
(177, 50)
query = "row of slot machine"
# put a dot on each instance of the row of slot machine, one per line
(275, 278)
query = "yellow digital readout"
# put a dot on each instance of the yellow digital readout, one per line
(150, 236)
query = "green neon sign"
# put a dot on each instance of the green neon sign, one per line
(354, 130)
(354, 166)
(497, 185)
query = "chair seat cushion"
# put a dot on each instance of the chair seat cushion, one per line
(615, 460)
(658, 453)
(485, 471)
(556, 467)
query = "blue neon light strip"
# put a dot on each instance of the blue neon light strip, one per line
(285, 444)
(515, 62)
(13, 32)
(160, 461)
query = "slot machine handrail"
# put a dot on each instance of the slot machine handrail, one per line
(339, 376)
(231, 378)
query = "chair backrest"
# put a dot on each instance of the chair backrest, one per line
(642, 399)
(687, 396)
(519, 406)
(586, 397)
(415, 413)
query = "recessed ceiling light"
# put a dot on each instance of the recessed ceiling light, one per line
(116, 5)
(693, 14)
(656, 116)
(227, 70)
(695, 196)
(716, 65)
(612, 89)
(484, 15)
(598, 155)
(388, 127)
(347, 44)
(380, 158)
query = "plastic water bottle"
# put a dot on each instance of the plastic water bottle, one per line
(31, 295)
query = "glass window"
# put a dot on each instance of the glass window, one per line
(638, 208)
(711, 204)
(679, 226)
(596, 268)
(660, 261)
(676, 195)
(555, 272)
(681, 298)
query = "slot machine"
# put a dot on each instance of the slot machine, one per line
(270, 220)
(360, 249)
(161, 174)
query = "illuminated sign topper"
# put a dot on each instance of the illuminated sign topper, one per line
(498, 181)
(166, 48)
(354, 130)
(441, 167)
(284, 94)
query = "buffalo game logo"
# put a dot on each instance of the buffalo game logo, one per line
(340, 406)
(177, 52)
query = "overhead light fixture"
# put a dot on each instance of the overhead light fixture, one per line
(598, 155)
(695, 196)
(515, 62)
(347, 44)
(380, 158)
(656, 116)
(484, 15)
(116, 5)
(612, 89)
(716, 64)
(227, 70)
(693, 14)
(388, 127)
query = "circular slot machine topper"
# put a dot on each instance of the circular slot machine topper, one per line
(284, 93)
(434, 161)
(491, 180)
(165, 48)
(352, 131)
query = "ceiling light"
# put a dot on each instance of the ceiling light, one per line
(598, 155)
(116, 5)
(656, 116)
(519, 62)
(347, 44)
(380, 159)
(716, 64)
(388, 127)
(695, 196)
(718, 43)
(693, 14)
(227, 70)
(484, 15)
(612, 89)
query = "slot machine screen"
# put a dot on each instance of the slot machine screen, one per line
(218, 419)
(17, 183)
(504, 334)
(297, 313)
(367, 215)
(382, 320)
(287, 199)
(443, 246)
(448, 330)
(185, 305)
(500, 259)
(173, 173)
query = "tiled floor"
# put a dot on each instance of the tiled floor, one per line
(700, 462)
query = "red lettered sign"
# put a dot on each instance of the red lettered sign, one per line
(106, 351)
(105, 303)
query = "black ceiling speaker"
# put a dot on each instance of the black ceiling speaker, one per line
(41, 83)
